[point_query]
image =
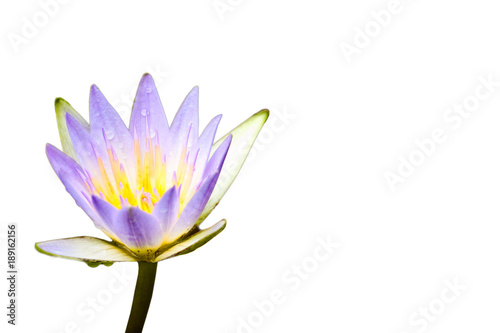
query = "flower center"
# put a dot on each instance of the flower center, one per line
(153, 178)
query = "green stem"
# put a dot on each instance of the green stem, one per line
(142, 296)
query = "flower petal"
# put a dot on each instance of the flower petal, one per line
(217, 160)
(166, 210)
(72, 177)
(184, 130)
(62, 107)
(148, 109)
(213, 166)
(192, 243)
(93, 251)
(193, 209)
(106, 125)
(244, 136)
(138, 231)
(87, 149)
(204, 146)
(108, 214)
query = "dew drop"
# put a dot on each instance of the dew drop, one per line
(145, 112)
(110, 135)
(149, 90)
(152, 133)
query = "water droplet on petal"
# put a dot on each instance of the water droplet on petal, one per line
(149, 90)
(145, 112)
(152, 133)
(110, 135)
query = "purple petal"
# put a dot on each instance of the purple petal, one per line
(107, 212)
(204, 146)
(166, 210)
(193, 209)
(86, 148)
(217, 160)
(138, 230)
(148, 109)
(60, 161)
(184, 129)
(107, 125)
(73, 178)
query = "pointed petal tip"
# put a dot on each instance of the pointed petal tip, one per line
(195, 91)
(94, 91)
(96, 201)
(50, 149)
(263, 113)
(227, 143)
(147, 82)
(59, 101)
(39, 249)
(70, 119)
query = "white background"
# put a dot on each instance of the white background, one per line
(337, 127)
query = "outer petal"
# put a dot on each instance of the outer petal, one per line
(138, 230)
(62, 107)
(105, 121)
(193, 209)
(108, 214)
(93, 251)
(243, 138)
(148, 109)
(72, 176)
(192, 243)
(166, 211)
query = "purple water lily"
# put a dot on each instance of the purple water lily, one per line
(148, 186)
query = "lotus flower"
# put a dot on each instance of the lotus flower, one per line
(149, 186)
